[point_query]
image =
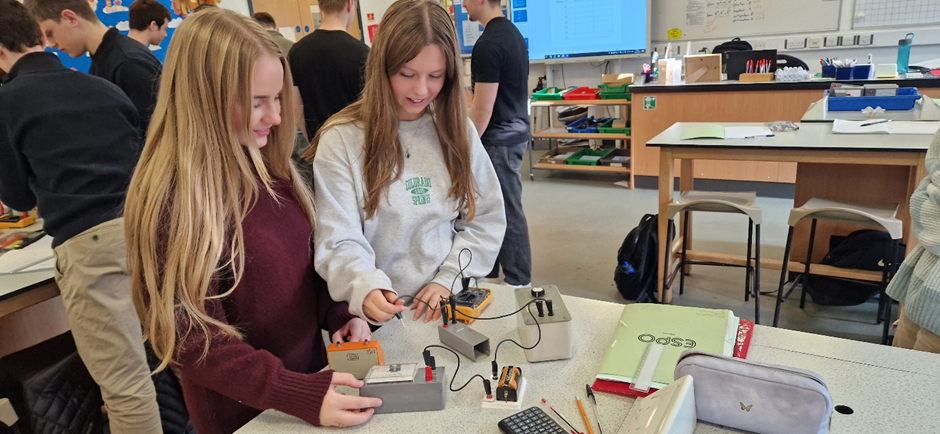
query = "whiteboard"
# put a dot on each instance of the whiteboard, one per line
(726, 19)
(895, 13)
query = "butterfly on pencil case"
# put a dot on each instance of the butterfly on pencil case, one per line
(746, 408)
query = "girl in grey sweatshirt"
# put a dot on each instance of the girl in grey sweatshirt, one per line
(408, 198)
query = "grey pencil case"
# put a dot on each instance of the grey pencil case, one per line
(756, 397)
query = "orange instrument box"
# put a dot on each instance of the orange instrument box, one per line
(355, 357)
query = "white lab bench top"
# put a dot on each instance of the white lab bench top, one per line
(891, 390)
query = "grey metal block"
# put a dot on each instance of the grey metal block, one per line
(417, 395)
(464, 340)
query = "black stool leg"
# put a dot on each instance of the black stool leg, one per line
(685, 244)
(669, 235)
(783, 275)
(889, 265)
(809, 259)
(757, 275)
(747, 267)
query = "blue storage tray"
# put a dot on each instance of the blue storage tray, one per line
(576, 126)
(905, 100)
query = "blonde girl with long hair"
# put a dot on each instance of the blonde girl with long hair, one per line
(218, 225)
(403, 185)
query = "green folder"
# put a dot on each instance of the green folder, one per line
(678, 328)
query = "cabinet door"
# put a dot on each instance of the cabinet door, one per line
(285, 13)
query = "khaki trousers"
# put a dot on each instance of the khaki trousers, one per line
(91, 271)
(910, 335)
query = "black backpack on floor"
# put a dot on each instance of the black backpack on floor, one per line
(637, 259)
(862, 250)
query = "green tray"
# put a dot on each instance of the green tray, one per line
(607, 129)
(544, 95)
(576, 158)
(615, 91)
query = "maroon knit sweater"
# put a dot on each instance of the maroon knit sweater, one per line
(280, 305)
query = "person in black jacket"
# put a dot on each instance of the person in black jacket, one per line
(72, 27)
(69, 144)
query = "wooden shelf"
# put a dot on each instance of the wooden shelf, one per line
(561, 133)
(581, 102)
(792, 266)
(580, 168)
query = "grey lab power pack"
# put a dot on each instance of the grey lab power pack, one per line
(408, 396)
(555, 324)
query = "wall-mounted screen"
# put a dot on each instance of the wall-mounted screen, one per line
(556, 30)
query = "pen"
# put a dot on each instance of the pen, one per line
(559, 415)
(590, 394)
(866, 124)
(587, 422)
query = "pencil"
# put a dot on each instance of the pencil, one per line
(587, 422)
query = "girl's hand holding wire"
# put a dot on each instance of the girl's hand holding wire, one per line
(381, 305)
(430, 295)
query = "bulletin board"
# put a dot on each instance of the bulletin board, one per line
(726, 19)
(113, 13)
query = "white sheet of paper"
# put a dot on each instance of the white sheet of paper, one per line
(842, 126)
(471, 32)
(747, 132)
(36, 253)
(913, 127)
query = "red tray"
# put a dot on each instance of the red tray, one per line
(583, 93)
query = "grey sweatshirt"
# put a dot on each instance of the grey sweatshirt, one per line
(417, 234)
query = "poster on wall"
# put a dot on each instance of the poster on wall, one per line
(114, 13)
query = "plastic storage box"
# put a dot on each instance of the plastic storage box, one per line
(549, 94)
(617, 158)
(586, 125)
(615, 91)
(607, 128)
(583, 93)
(593, 157)
(904, 100)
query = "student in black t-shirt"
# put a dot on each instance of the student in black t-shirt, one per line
(327, 66)
(500, 73)
(72, 27)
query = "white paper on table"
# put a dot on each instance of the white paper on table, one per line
(747, 132)
(913, 127)
(842, 126)
(33, 255)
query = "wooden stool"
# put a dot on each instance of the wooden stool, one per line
(881, 216)
(721, 202)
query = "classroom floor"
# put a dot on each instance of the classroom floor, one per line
(578, 221)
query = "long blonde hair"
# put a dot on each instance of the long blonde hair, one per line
(195, 183)
(407, 27)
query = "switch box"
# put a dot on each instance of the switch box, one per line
(796, 43)
(848, 40)
(814, 42)
(832, 41)
(554, 323)
(866, 39)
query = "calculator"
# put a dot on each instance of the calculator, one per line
(531, 420)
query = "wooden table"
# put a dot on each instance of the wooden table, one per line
(889, 389)
(846, 167)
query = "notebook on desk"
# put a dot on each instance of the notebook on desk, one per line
(718, 131)
(677, 327)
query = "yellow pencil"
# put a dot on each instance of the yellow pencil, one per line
(587, 422)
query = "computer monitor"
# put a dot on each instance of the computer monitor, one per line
(582, 30)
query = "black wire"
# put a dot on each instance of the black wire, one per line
(462, 267)
(563, 76)
(454, 378)
(413, 299)
(539, 327)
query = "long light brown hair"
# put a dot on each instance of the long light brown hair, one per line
(195, 182)
(407, 27)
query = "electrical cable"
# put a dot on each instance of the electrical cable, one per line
(454, 378)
